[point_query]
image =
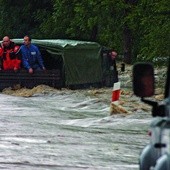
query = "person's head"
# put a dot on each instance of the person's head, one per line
(113, 55)
(27, 40)
(6, 41)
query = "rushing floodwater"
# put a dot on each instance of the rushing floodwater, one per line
(68, 131)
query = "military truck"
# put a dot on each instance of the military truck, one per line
(70, 63)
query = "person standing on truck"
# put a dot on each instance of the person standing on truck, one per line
(110, 74)
(112, 59)
(10, 57)
(31, 56)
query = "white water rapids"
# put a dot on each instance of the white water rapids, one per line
(69, 130)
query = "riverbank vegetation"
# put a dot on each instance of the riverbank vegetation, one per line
(138, 30)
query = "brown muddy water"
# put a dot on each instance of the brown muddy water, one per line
(49, 129)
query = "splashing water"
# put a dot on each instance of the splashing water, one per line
(64, 129)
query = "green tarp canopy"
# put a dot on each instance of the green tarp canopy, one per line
(81, 59)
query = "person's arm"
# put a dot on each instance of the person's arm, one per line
(25, 58)
(17, 53)
(1, 55)
(1, 51)
(40, 59)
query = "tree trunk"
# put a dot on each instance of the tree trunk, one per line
(127, 44)
(94, 33)
(127, 34)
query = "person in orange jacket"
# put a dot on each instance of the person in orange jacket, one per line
(10, 55)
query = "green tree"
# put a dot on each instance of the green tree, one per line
(23, 17)
(87, 20)
(151, 29)
(139, 30)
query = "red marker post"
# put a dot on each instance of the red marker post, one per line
(116, 92)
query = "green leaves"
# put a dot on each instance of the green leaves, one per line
(102, 21)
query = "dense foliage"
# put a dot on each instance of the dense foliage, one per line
(137, 29)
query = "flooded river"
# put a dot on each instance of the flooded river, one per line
(69, 130)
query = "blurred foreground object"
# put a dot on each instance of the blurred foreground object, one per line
(156, 155)
(143, 80)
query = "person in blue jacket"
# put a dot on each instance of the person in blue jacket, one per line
(31, 56)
